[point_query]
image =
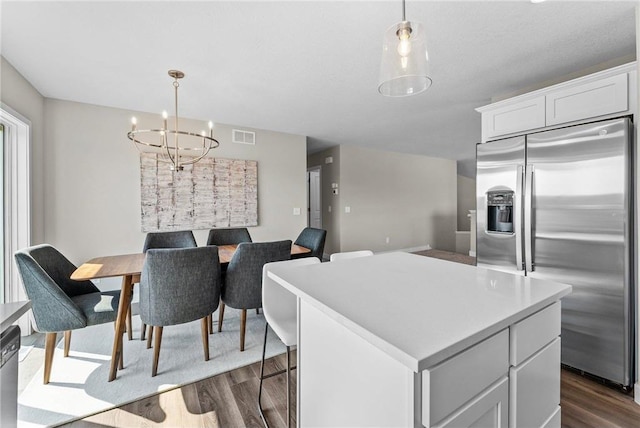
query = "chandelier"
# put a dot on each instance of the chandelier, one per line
(195, 145)
(404, 69)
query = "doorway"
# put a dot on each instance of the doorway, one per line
(314, 197)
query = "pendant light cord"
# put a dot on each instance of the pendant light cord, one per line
(403, 12)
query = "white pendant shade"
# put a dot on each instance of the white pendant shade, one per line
(404, 69)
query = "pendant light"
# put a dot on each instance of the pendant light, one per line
(404, 69)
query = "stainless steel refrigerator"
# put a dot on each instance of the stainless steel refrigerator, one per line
(558, 205)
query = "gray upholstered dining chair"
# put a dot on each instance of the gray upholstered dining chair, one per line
(242, 287)
(228, 236)
(179, 285)
(313, 239)
(178, 239)
(60, 304)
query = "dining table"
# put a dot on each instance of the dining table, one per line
(129, 267)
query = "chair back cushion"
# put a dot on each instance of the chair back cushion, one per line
(179, 285)
(278, 304)
(313, 239)
(180, 239)
(45, 274)
(242, 287)
(228, 236)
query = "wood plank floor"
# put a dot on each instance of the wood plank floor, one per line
(229, 400)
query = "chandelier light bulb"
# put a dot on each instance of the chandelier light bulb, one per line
(210, 125)
(165, 115)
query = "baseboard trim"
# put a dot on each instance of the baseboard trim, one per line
(636, 393)
(472, 253)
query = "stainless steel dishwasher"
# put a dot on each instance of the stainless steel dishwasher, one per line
(9, 347)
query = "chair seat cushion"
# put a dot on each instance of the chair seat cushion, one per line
(285, 327)
(100, 307)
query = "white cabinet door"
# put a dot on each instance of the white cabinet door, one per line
(592, 99)
(534, 388)
(488, 410)
(452, 383)
(516, 117)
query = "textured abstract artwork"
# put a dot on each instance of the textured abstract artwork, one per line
(213, 192)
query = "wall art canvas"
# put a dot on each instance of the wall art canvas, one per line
(213, 192)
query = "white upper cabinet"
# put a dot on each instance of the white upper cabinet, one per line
(603, 96)
(597, 96)
(520, 116)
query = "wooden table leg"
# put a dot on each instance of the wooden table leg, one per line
(123, 308)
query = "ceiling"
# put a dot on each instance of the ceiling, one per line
(311, 68)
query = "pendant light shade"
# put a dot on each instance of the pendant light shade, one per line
(404, 69)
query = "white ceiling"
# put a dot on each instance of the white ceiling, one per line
(310, 68)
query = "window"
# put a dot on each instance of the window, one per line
(16, 212)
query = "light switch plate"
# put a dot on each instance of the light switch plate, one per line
(296, 211)
(347, 209)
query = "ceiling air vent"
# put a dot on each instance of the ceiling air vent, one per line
(243, 137)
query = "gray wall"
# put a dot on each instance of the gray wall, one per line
(410, 199)
(92, 180)
(18, 94)
(466, 201)
(329, 173)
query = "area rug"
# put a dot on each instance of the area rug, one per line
(79, 387)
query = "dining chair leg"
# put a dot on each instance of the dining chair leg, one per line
(129, 327)
(243, 327)
(220, 316)
(156, 350)
(49, 348)
(149, 336)
(258, 311)
(121, 360)
(143, 331)
(264, 351)
(205, 337)
(210, 318)
(67, 342)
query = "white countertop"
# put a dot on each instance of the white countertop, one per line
(417, 309)
(10, 312)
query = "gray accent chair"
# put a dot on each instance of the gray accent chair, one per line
(177, 286)
(60, 304)
(313, 239)
(242, 288)
(228, 236)
(179, 239)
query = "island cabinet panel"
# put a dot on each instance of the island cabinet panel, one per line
(533, 333)
(452, 383)
(587, 100)
(534, 388)
(489, 410)
(345, 381)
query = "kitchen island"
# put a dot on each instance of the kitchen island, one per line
(398, 339)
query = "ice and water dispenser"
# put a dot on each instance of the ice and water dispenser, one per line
(500, 211)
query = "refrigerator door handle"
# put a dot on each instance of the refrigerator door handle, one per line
(528, 213)
(518, 217)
